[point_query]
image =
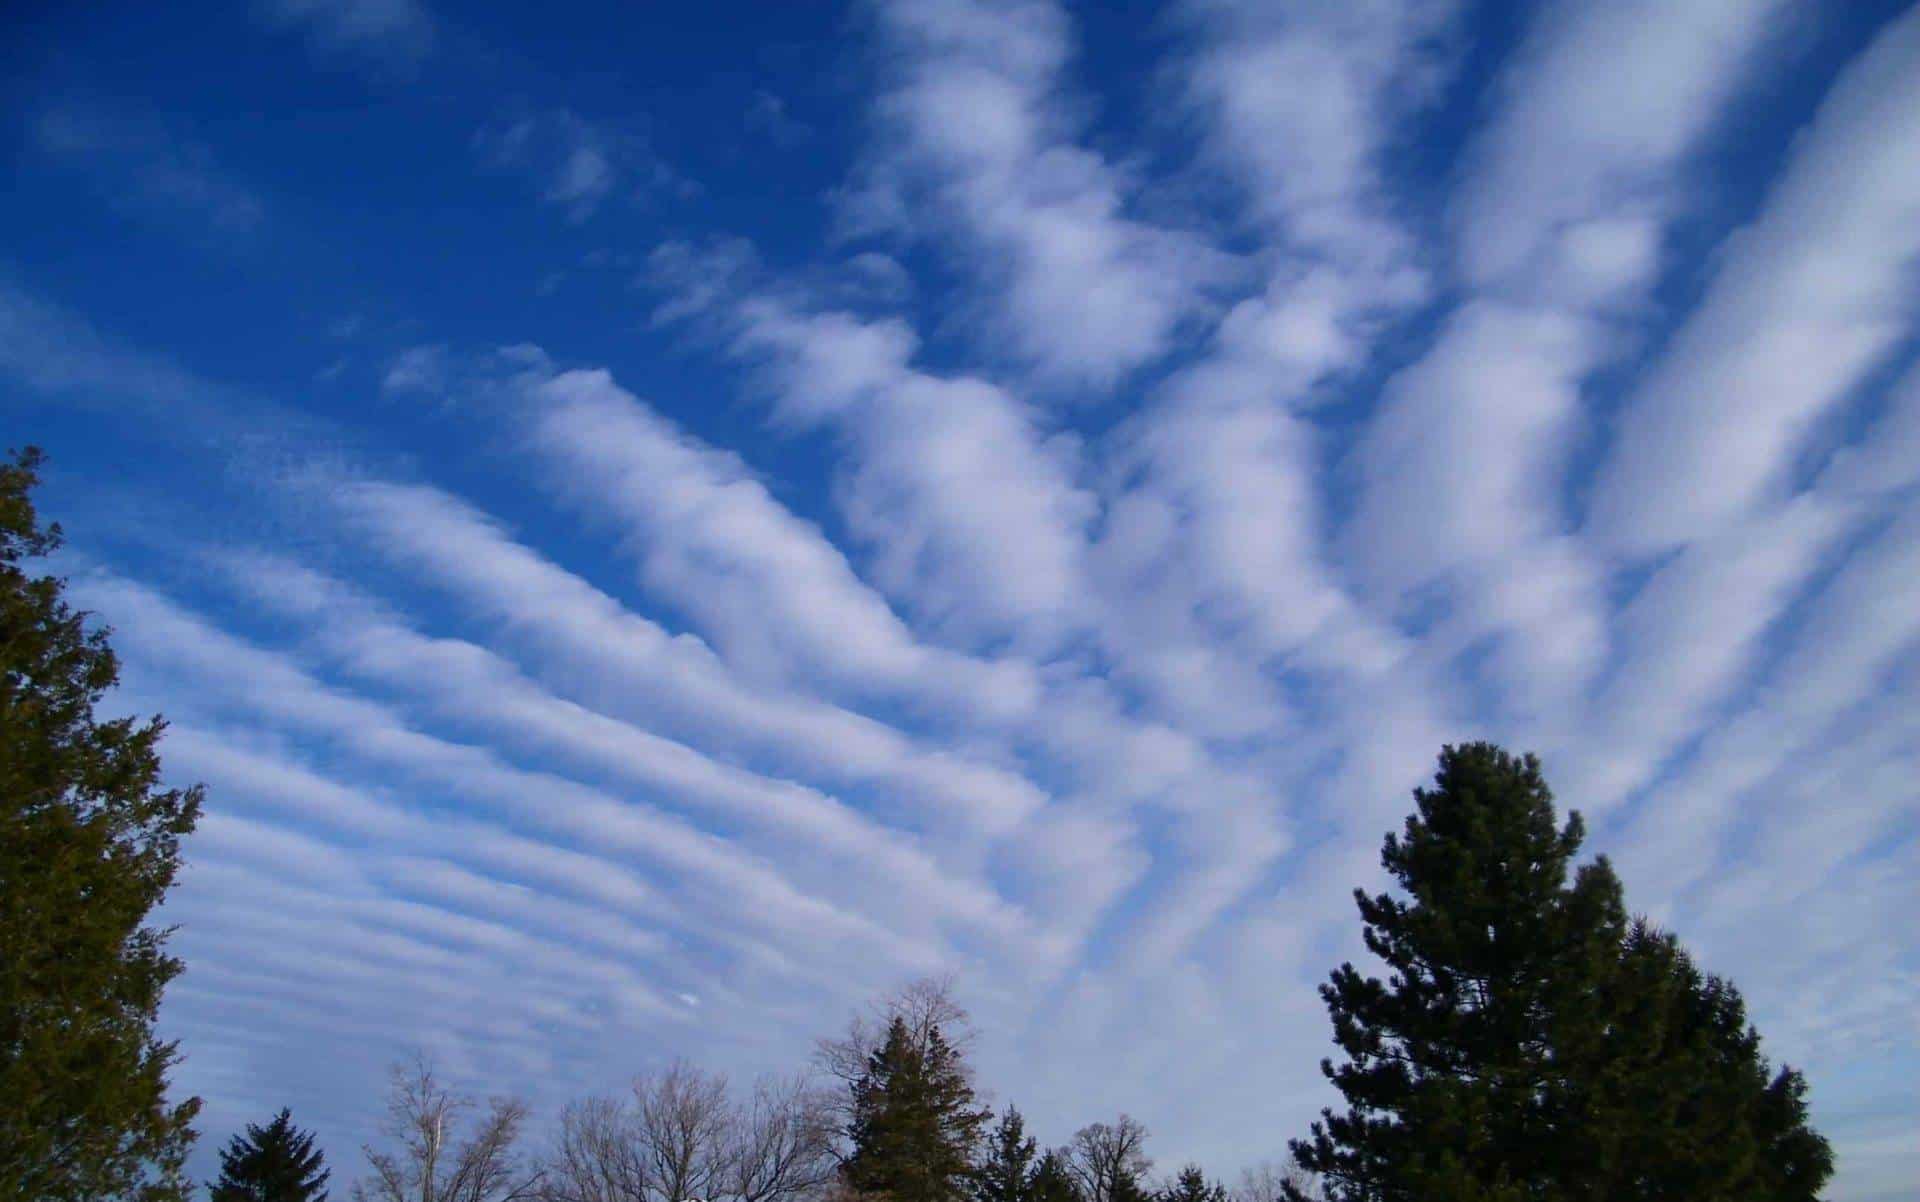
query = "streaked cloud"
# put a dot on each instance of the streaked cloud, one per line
(1037, 523)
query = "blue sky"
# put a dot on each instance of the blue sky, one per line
(656, 523)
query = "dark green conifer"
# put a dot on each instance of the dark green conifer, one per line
(1680, 1102)
(1530, 1044)
(89, 843)
(1191, 1185)
(274, 1163)
(1006, 1171)
(914, 1127)
(1052, 1180)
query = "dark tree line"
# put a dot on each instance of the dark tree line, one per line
(1532, 1042)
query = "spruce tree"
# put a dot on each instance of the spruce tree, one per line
(1191, 1185)
(1052, 1179)
(274, 1163)
(89, 843)
(1006, 1171)
(914, 1125)
(1530, 1043)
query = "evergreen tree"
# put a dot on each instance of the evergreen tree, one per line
(89, 843)
(274, 1163)
(1448, 1065)
(914, 1125)
(1192, 1186)
(1006, 1172)
(1685, 1105)
(1052, 1180)
(1128, 1186)
(1530, 1044)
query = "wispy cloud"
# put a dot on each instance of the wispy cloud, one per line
(398, 30)
(577, 164)
(141, 164)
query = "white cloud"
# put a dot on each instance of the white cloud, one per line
(1809, 298)
(1571, 182)
(972, 514)
(592, 648)
(974, 126)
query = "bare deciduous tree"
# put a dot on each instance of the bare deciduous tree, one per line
(679, 1138)
(597, 1157)
(1264, 1182)
(782, 1145)
(682, 1120)
(925, 1005)
(1104, 1154)
(434, 1164)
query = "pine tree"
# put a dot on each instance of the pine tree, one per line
(914, 1124)
(1052, 1180)
(89, 843)
(1683, 1104)
(1128, 1187)
(1450, 1064)
(1530, 1044)
(274, 1163)
(1191, 1185)
(1006, 1172)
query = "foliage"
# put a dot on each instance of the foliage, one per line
(1191, 1185)
(1052, 1179)
(1005, 1173)
(89, 844)
(274, 1163)
(1530, 1043)
(914, 1125)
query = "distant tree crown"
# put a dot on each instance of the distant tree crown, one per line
(274, 1163)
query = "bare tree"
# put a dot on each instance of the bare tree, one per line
(1265, 1182)
(679, 1138)
(434, 1164)
(597, 1156)
(782, 1143)
(1104, 1155)
(682, 1121)
(926, 1005)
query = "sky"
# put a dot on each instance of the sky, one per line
(658, 523)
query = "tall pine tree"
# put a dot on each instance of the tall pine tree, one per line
(914, 1126)
(1530, 1043)
(1005, 1173)
(89, 843)
(274, 1163)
